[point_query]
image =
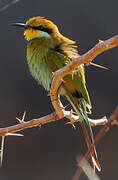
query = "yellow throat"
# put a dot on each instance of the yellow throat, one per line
(31, 33)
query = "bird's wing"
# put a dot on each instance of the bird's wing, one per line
(56, 60)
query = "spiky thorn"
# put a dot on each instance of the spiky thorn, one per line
(99, 66)
(101, 41)
(53, 73)
(62, 80)
(22, 120)
(2, 145)
(14, 134)
(2, 150)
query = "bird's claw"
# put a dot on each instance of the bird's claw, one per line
(72, 123)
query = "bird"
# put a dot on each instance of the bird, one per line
(48, 51)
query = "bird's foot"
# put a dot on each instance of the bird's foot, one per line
(72, 123)
(72, 120)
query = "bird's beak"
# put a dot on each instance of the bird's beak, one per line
(21, 25)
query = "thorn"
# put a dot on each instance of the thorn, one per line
(2, 150)
(19, 119)
(24, 116)
(101, 41)
(13, 134)
(53, 74)
(99, 66)
(62, 80)
(22, 120)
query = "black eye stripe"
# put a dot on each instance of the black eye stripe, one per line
(49, 31)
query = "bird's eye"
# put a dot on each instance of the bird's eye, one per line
(41, 28)
(37, 27)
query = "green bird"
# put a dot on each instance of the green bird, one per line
(47, 51)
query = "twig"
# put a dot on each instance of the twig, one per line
(41, 121)
(100, 135)
(28, 124)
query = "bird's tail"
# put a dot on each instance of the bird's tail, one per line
(88, 135)
(80, 108)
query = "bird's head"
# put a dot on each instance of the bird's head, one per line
(38, 27)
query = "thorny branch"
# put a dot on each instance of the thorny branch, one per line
(41, 121)
(59, 109)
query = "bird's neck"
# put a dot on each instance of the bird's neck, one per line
(40, 42)
(38, 46)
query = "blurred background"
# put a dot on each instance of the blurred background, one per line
(50, 152)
